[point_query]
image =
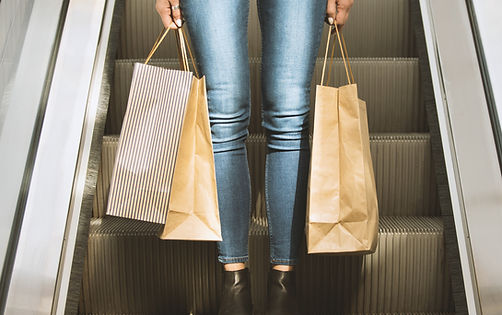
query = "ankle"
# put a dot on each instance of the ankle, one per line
(283, 267)
(234, 266)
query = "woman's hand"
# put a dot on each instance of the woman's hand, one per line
(338, 11)
(170, 13)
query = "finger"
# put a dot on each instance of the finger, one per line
(176, 12)
(331, 11)
(163, 7)
(342, 15)
(341, 19)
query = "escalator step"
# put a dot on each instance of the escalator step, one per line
(376, 28)
(390, 87)
(399, 313)
(129, 270)
(403, 172)
(263, 313)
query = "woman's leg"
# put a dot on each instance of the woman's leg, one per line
(218, 32)
(291, 32)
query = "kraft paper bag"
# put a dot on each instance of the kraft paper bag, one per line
(164, 169)
(193, 207)
(342, 207)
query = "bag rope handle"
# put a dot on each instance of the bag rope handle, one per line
(182, 51)
(156, 45)
(182, 45)
(343, 51)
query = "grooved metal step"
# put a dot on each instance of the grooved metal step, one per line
(129, 270)
(400, 313)
(263, 313)
(390, 87)
(403, 173)
(376, 28)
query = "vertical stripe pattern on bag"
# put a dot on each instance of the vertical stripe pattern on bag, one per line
(149, 139)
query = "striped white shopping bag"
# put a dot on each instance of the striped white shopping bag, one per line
(164, 169)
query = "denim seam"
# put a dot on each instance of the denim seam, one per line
(262, 114)
(227, 259)
(267, 204)
(250, 196)
(250, 188)
(284, 261)
(233, 257)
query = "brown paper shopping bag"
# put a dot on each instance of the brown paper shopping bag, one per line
(164, 169)
(342, 208)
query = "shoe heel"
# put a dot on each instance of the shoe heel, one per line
(282, 297)
(236, 298)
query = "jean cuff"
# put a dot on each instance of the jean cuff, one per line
(230, 260)
(279, 261)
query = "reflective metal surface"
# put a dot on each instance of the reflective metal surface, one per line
(469, 148)
(42, 233)
(490, 30)
(14, 18)
(486, 28)
(84, 168)
(23, 76)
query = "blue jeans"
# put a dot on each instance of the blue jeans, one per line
(291, 31)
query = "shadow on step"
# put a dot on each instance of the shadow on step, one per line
(129, 270)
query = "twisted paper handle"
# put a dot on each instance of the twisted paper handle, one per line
(345, 57)
(183, 45)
